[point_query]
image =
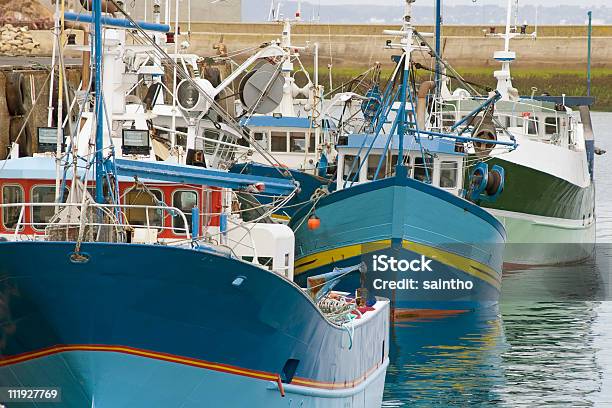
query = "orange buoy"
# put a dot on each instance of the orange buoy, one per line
(314, 222)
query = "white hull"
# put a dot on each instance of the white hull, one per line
(535, 240)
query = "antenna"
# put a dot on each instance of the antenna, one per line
(506, 57)
(272, 12)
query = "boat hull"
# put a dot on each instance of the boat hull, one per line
(549, 216)
(143, 325)
(540, 241)
(406, 219)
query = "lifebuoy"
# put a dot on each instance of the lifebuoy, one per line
(15, 91)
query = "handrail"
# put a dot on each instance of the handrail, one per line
(519, 107)
(173, 210)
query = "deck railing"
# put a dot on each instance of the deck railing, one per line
(118, 222)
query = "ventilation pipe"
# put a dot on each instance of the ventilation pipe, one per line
(424, 89)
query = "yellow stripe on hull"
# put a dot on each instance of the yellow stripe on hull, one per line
(338, 254)
(467, 265)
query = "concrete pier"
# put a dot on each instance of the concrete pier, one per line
(362, 45)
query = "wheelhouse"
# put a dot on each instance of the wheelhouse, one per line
(291, 140)
(438, 162)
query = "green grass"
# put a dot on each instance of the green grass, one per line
(554, 81)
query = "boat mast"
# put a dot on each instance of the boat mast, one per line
(438, 45)
(99, 112)
(407, 42)
(590, 36)
(504, 79)
(407, 45)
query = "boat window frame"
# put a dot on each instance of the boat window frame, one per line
(427, 162)
(533, 123)
(32, 207)
(346, 168)
(456, 170)
(311, 138)
(124, 196)
(304, 137)
(556, 125)
(383, 168)
(265, 139)
(209, 147)
(187, 215)
(278, 136)
(22, 191)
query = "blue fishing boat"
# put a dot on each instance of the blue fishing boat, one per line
(400, 199)
(155, 326)
(102, 318)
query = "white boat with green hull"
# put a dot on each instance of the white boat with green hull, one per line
(548, 205)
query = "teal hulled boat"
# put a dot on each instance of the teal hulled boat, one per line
(399, 203)
(403, 217)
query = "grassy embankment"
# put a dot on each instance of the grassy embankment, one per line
(555, 81)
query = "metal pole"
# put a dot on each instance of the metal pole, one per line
(175, 78)
(97, 14)
(60, 105)
(438, 39)
(590, 35)
(402, 112)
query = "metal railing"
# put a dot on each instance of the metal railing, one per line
(117, 222)
(516, 117)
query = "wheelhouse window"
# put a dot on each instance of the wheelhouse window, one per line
(144, 197)
(423, 169)
(184, 200)
(551, 126)
(448, 174)
(297, 141)
(261, 138)
(279, 141)
(373, 160)
(10, 215)
(502, 119)
(532, 126)
(41, 215)
(350, 163)
(181, 138)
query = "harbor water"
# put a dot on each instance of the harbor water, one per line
(548, 344)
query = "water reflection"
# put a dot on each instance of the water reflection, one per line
(537, 354)
(452, 361)
(551, 360)
(549, 344)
